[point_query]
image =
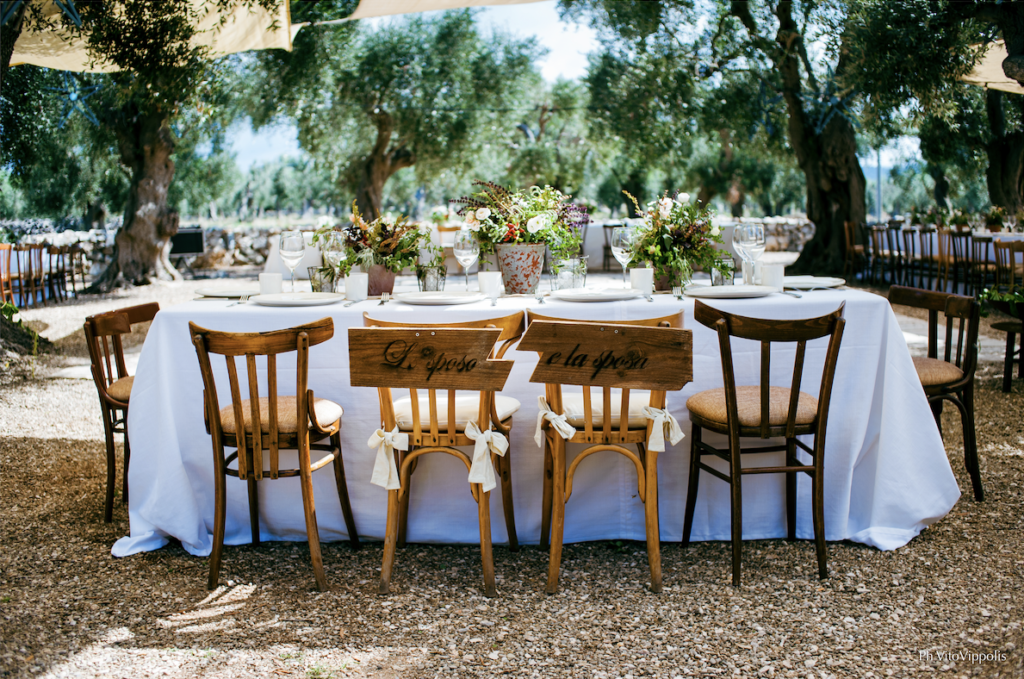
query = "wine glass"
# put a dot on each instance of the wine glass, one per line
(750, 243)
(333, 249)
(293, 247)
(622, 247)
(1011, 222)
(466, 251)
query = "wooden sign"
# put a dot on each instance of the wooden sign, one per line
(426, 358)
(627, 356)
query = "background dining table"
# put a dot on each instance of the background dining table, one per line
(887, 476)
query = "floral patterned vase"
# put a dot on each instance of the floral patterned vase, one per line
(381, 280)
(521, 265)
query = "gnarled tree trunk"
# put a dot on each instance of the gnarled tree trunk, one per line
(9, 34)
(382, 162)
(141, 245)
(827, 156)
(1005, 173)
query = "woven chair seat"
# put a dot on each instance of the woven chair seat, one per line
(121, 389)
(327, 413)
(710, 405)
(933, 372)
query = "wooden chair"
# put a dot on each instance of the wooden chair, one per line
(512, 328)
(918, 256)
(1008, 269)
(114, 385)
(655, 355)
(6, 291)
(960, 246)
(78, 265)
(881, 260)
(983, 270)
(952, 377)
(57, 272)
(944, 258)
(26, 281)
(763, 412)
(435, 359)
(855, 254)
(894, 244)
(270, 423)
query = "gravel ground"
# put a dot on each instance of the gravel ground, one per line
(67, 608)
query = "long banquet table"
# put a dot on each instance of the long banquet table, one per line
(887, 475)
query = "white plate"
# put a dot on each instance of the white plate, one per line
(439, 298)
(728, 291)
(592, 295)
(227, 293)
(808, 282)
(297, 299)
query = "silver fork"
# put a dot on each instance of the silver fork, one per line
(385, 297)
(241, 300)
(355, 301)
(540, 297)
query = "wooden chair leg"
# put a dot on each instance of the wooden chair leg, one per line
(736, 519)
(219, 511)
(650, 458)
(403, 513)
(390, 542)
(486, 552)
(1008, 361)
(971, 443)
(346, 505)
(791, 490)
(545, 510)
(254, 510)
(108, 431)
(504, 467)
(692, 485)
(818, 511)
(937, 413)
(557, 514)
(312, 534)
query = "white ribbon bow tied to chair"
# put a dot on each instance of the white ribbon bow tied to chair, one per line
(558, 422)
(385, 471)
(490, 441)
(665, 426)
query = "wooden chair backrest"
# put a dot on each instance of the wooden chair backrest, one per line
(6, 291)
(879, 240)
(431, 358)
(512, 328)
(979, 249)
(960, 242)
(674, 320)
(892, 238)
(653, 354)
(850, 235)
(769, 332)
(251, 345)
(1006, 262)
(954, 307)
(103, 337)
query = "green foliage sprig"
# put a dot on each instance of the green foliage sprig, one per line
(498, 215)
(1011, 299)
(676, 237)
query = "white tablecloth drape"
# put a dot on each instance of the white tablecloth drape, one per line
(887, 475)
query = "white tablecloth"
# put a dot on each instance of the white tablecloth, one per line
(887, 476)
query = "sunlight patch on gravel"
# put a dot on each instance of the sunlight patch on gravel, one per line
(52, 409)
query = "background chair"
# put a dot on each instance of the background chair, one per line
(270, 423)
(6, 291)
(512, 328)
(763, 412)
(855, 258)
(983, 269)
(655, 355)
(113, 384)
(952, 377)
(445, 360)
(1008, 272)
(57, 272)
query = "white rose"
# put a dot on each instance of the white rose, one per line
(475, 226)
(537, 223)
(483, 213)
(665, 207)
(471, 219)
(715, 230)
(683, 198)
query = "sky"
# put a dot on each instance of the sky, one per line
(568, 45)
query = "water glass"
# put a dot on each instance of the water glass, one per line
(466, 251)
(569, 273)
(750, 243)
(292, 248)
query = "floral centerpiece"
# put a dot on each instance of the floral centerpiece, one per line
(960, 219)
(441, 215)
(994, 218)
(676, 237)
(382, 247)
(517, 226)
(937, 216)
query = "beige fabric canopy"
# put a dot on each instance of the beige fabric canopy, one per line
(989, 71)
(377, 8)
(244, 30)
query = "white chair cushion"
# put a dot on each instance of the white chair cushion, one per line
(572, 405)
(467, 408)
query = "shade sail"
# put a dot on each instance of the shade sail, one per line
(378, 8)
(245, 29)
(989, 71)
